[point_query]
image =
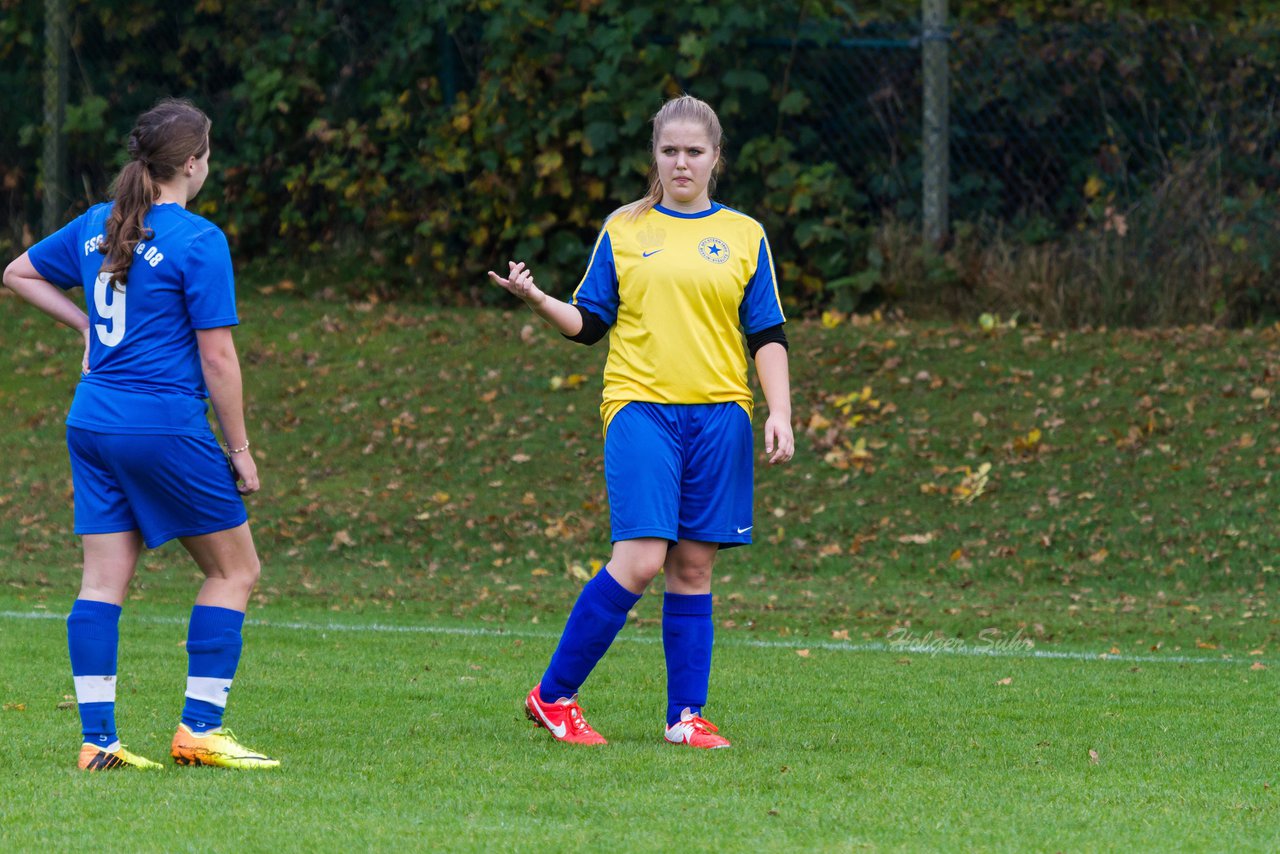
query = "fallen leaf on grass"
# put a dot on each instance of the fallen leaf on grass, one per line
(973, 485)
(840, 634)
(342, 539)
(1008, 680)
(570, 382)
(917, 539)
(1257, 665)
(15, 707)
(1093, 757)
(803, 653)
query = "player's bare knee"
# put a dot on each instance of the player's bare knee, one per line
(250, 572)
(691, 573)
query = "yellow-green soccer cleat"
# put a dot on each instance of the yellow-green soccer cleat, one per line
(94, 758)
(217, 747)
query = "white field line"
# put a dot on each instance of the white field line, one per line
(956, 648)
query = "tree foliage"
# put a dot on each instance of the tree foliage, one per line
(415, 145)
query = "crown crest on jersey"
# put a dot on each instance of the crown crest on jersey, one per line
(651, 237)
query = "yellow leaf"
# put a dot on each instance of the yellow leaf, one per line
(1092, 187)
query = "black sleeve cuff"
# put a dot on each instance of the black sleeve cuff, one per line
(593, 328)
(772, 335)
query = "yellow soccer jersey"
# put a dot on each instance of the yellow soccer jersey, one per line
(680, 291)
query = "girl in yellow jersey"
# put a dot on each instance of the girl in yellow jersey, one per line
(676, 281)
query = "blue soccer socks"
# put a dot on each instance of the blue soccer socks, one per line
(213, 653)
(687, 637)
(596, 618)
(93, 639)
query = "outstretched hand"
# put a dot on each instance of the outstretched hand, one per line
(519, 281)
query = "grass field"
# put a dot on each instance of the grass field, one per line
(433, 498)
(393, 735)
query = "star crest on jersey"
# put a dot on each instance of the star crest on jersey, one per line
(651, 237)
(714, 250)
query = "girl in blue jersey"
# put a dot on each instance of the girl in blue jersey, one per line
(676, 281)
(145, 465)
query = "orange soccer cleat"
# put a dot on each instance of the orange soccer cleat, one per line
(217, 747)
(695, 731)
(94, 758)
(563, 719)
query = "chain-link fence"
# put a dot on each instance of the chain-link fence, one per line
(1043, 121)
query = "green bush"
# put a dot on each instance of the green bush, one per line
(410, 147)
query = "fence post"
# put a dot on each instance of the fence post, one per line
(53, 165)
(937, 167)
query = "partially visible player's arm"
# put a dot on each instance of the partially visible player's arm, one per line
(519, 281)
(775, 378)
(221, 369)
(22, 278)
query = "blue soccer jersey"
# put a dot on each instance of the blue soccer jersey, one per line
(144, 363)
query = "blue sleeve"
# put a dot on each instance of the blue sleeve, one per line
(209, 283)
(761, 307)
(598, 290)
(57, 257)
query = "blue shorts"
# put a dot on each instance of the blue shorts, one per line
(164, 486)
(680, 472)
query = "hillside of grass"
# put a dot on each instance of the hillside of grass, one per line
(1100, 488)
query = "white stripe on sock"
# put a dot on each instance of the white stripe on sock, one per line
(209, 690)
(95, 689)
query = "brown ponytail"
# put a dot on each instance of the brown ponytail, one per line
(160, 144)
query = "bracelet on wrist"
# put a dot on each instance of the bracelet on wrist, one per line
(239, 450)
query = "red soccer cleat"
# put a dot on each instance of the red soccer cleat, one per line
(563, 719)
(695, 731)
